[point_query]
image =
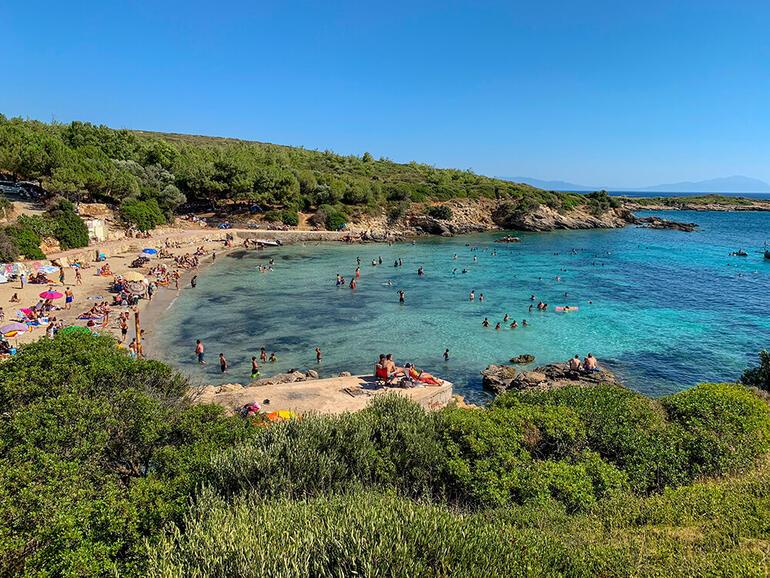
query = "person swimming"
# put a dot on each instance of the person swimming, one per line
(524, 323)
(497, 327)
(514, 325)
(506, 317)
(485, 323)
(472, 295)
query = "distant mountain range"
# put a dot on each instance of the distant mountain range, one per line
(734, 184)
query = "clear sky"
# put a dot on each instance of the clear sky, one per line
(614, 92)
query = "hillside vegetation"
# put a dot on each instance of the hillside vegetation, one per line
(107, 468)
(151, 175)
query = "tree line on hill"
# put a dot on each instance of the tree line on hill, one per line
(149, 176)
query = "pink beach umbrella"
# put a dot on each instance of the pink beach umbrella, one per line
(51, 295)
(26, 311)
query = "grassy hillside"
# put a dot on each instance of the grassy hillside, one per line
(106, 468)
(159, 173)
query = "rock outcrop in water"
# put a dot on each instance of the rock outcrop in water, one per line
(500, 378)
(658, 223)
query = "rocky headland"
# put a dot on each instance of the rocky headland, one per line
(501, 378)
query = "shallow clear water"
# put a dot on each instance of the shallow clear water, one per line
(668, 309)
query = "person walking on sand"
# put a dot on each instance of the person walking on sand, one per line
(78, 277)
(199, 351)
(222, 363)
(318, 355)
(23, 279)
(68, 298)
(61, 275)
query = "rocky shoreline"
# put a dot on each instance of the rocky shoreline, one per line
(501, 378)
(485, 215)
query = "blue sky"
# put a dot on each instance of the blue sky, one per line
(600, 92)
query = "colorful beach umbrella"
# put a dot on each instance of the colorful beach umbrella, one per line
(149, 251)
(51, 295)
(12, 329)
(26, 312)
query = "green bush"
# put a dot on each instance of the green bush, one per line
(272, 216)
(441, 212)
(391, 444)
(26, 241)
(8, 249)
(624, 428)
(97, 453)
(70, 231)
(724, 427)
(144, 215)
(290, 217)
(759, 376)
(330, 217)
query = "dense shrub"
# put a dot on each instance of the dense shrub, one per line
(97, 452)
(144, 215)
(26, 241)
(441, 212)
(392, 443)
(623, 427)
(758, 376)
(724, 427)
(70, 231)
(8, 249)
(290, 217)
(330, 217)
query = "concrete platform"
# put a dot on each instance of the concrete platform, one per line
(327, 396)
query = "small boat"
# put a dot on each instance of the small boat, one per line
(739, 253)
(508, 239)
(268, 243)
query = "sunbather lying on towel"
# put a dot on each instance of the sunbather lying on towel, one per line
(421, 376)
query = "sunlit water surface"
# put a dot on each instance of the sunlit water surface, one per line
(663, 309)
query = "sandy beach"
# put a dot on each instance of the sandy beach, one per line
(120, 253)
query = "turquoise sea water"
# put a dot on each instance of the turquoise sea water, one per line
(668, 309)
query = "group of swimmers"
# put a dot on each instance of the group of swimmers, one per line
(506, 317)
(224, 364)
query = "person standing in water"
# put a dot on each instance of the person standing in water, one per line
(262, 354)
(199, 351)
(254, 368)
(485, 323)
(318, 355)
(194, 281)
(446, 355)
(401, 296)
(222, 363)
(472, 296)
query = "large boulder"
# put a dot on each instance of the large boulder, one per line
(500, 378)
(523, 359)
(290, 377)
